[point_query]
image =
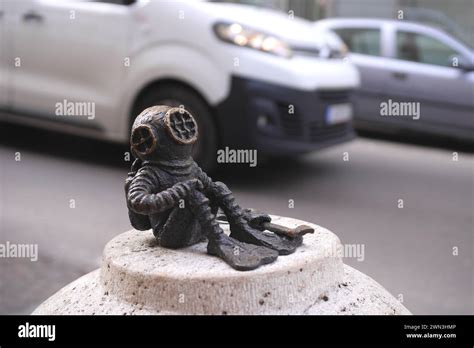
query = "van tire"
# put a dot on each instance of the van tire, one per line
(177, 94)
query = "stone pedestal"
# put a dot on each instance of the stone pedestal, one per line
(139, 277)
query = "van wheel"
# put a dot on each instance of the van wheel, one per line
(205, 148)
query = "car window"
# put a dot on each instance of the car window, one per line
(361, 40)
(423, 49)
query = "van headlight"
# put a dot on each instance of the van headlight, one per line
(245, 37)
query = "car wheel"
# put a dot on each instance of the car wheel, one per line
(205, 148)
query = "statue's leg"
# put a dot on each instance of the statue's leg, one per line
(239, 255)
(242, 231)
(180, 230)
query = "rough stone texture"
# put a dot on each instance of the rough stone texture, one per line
(138, 277)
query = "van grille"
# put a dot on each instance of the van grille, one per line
(291, 125)
(335, 96)
(313, 128)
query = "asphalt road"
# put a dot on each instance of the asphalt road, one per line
(408, 250)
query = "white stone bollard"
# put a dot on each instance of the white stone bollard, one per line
(139, 277)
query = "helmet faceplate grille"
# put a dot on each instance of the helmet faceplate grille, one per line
(143, 140)
(181, 126)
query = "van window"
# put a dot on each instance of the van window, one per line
(361, 40)
(423, 49)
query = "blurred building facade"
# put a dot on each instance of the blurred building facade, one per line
(454, 16)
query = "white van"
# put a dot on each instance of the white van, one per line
(253, 78)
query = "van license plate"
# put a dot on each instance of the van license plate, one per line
(338, 113)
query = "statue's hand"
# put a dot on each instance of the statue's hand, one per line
(256, 219)
(185, 187)
(196, 184)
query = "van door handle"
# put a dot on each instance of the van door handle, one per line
(32, 16)
(399, 75)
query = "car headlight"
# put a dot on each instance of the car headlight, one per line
(245, 37)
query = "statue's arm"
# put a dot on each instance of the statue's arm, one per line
(142, 200)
